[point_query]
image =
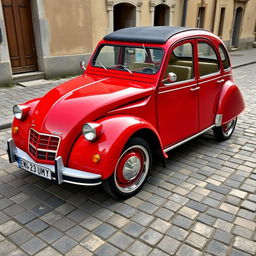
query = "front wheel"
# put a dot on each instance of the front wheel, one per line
(131, 170)
(225, 131)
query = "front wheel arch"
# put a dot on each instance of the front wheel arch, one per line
(153, 141)
(118, 185)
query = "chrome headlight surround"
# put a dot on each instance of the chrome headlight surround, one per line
(20, 111)
(91, 131)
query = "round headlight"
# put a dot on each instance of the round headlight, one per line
(91, 131)
(20, 111)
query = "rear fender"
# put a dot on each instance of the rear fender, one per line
(231, 103)
(116, 131)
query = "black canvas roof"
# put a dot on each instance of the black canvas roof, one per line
(150, 34)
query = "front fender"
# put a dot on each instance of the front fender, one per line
(116, 131)
(231, 102)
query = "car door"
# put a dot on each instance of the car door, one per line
(209, 81)
(178, 100)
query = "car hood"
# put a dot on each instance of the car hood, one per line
(65, 109)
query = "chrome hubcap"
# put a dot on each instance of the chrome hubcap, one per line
(131, 168)
(130, 174)
(229, 127)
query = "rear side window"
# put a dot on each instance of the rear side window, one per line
(224, 58)
(207, 59)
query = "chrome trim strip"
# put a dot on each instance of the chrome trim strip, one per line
(227, 75)
(58, 169)
(41, 149)
(211, 74)
(45, 133)
(11, 150)
(176, 83)
(206, 81)
(59, 166)
(176, 89)
(82, 184)
(218, 120)
(195, 89)
(188, 139)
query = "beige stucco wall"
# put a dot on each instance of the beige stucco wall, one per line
(193, 11)
(100, 22)
(145, 19)
(69, 26)
(76, 28)
(249, 20)
(228, 19)
(177, 15)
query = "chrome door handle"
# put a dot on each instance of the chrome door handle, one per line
(220, 81)
(195, 89)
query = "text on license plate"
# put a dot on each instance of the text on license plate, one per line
(34, 168)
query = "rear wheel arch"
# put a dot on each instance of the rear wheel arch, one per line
(231, 102)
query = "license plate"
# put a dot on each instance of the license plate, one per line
(34, 168)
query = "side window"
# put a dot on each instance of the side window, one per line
(181, 63)
(207, 59)
(224, 58)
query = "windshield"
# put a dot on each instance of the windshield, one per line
(138, 59)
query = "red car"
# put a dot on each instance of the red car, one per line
(145, 91)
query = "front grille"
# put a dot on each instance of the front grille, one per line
(43, 146)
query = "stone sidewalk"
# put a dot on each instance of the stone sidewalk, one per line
(202, 204)
(18, 94)
(242, 57)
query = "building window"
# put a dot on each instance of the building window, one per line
(200, 17)
(222, 16)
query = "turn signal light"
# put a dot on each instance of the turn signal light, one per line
(96, 158)
(15, 129)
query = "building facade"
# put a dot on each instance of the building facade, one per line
(52, 37)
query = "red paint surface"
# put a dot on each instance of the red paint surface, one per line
(124, 104)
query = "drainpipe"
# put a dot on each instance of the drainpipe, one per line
(214, 14)
(184, 13)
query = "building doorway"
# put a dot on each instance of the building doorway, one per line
(124, 16)
(20, 36)
(237, 27)
(200, 17)
(162, 15)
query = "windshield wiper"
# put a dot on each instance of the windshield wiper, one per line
(145, 50)
(126, 69)
(102, 65)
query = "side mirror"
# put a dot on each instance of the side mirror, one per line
(172, 77)
(83, 65)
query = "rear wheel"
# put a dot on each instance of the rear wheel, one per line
(131, 170)
(225, 131)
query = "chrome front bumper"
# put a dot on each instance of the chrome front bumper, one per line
(60, 173)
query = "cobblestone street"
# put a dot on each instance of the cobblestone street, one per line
(203, 203)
